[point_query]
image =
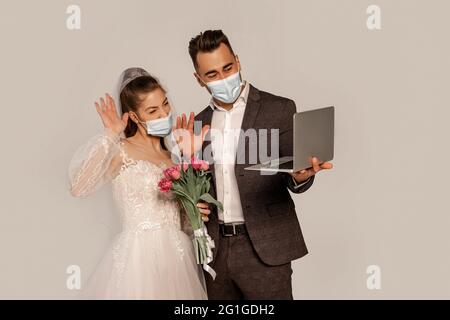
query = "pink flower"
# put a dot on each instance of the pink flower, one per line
(185, 166)
(205, 165)
(172, 173)
(165, 185)
(196, 163)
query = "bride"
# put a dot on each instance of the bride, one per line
(152, 258)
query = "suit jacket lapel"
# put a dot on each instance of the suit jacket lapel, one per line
(251, 111)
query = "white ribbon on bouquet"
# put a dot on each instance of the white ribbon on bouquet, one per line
(203, 232)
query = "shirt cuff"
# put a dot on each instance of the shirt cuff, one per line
(298, 185)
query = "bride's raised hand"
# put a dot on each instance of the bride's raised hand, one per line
(106, 108)
(187, 141)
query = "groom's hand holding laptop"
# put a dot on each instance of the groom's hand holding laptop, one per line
(313, 146)
(316, 166)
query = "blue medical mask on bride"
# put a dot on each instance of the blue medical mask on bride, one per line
(159, 127)
(226, 90)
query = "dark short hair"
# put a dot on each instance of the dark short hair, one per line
(207, 41)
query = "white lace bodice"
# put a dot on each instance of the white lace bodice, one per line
(135, 190)
(134, 184)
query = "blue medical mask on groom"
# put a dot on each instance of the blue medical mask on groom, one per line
(226, 90)
(159, 127)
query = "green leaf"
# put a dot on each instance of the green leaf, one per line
(198, 190)
(181, 192)
(208, 198)
(193, 214)
(207, 186)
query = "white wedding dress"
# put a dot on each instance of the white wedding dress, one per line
(152, 258)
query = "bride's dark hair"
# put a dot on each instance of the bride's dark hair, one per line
(131, 98)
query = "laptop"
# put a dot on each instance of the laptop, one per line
(313, 136)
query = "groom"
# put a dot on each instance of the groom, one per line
(257, 234)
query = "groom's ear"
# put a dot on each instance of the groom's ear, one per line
(238, 62)
(200, 82)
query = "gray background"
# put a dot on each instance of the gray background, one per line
(384, 203)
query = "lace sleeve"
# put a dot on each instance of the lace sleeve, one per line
(91, 165)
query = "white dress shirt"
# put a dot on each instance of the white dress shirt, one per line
(225, 129)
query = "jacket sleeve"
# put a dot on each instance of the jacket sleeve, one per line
(286, 149)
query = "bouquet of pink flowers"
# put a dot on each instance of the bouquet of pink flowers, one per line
(190, 183)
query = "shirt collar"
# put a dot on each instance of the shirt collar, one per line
(242, 98)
